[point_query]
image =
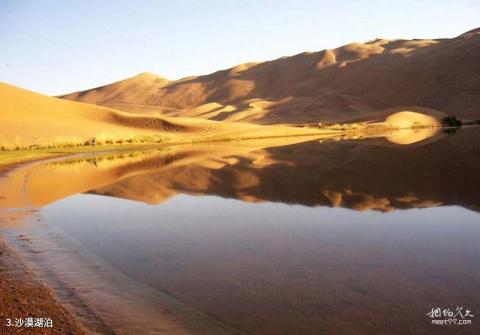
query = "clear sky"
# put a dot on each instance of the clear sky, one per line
(59, 46)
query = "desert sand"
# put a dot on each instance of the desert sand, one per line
(250, 132)
(30, 119)
(327, 86)
(306, 94)
(23, 295)
(237, 132)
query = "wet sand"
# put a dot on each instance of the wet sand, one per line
(24, 296)
(96, 297)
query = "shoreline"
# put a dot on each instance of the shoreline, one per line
(25, 296)
(12, 158)
(80, 292)
(47, 295)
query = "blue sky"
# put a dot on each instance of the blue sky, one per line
(60, 46)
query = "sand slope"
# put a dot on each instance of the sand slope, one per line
(327, 86)
(31, 119)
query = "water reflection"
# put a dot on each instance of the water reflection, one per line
(357, 174)
(271, 268)
(278, 237)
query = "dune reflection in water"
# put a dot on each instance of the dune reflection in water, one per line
(270, 267)
(402, 239)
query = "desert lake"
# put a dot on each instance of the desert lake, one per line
(338, 237)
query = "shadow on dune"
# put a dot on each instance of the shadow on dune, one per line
(325, 86)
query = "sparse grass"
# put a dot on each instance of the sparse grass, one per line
(73, 142)
(104, 161)
(11, 157)
(16, 152)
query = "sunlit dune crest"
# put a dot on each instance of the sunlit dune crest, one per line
(409, 119)
(412, 127)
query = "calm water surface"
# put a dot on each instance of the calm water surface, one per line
(271, 268)
(333, 238)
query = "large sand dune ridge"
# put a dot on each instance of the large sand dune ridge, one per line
(32, 120)
(326, 86)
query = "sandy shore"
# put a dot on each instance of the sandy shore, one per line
(46, 274)
(23, 296)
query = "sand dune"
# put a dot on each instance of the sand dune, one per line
(358, 82)
(30, 119)
(327, 86)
